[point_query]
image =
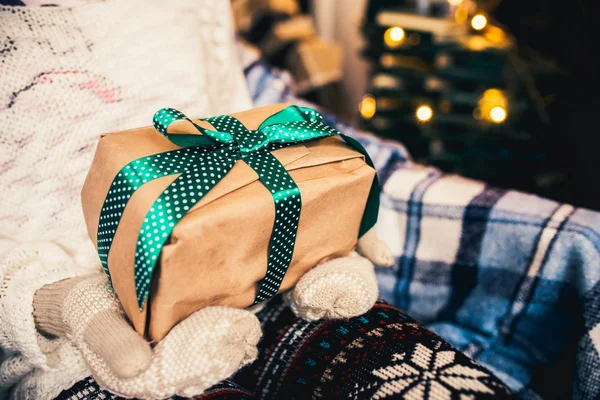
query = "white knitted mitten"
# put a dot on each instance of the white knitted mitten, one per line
(344, 287)
(199, 352)
(373, 248)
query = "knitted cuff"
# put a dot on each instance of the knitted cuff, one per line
(48, 305)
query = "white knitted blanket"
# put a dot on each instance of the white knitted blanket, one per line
(67, 75)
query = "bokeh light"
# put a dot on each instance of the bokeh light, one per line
(498, 114)
(367, 106)
(479, 22)
(394, 36)
(424, 113)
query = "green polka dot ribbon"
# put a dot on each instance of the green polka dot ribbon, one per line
(200, 164)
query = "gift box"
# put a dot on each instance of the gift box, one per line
(226, 210)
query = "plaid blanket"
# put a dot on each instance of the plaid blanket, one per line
(511, 279)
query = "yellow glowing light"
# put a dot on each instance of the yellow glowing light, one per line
(477, 43)
(424, 113)
(455, 2)
(494, 95)
(394, 36)
(367, 106)
(498, 114)
(479, 22)
(492, 106)
(495, 34)
(461, 15)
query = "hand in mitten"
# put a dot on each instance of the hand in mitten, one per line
(374, 249)
(199, 352)
(344, 287)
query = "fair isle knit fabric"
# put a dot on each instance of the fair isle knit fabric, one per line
(383, 354)
(511, 279)
(88, 389)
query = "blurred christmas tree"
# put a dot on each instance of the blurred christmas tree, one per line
(454, 87)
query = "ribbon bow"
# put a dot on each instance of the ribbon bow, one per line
(201, 163)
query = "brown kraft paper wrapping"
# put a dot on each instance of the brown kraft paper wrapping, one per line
(217, 254)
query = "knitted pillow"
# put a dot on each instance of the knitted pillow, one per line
(69, 74)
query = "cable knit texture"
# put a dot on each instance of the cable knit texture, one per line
(126, 356)
(342, 288)
(199, 352)
(68, 75)
(375, 249)
(48, 304)
(107, 331)
(27, 268)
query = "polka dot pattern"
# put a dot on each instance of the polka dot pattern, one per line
(202, 162)
(164, 117)
(128, 180)
(229, 126)
(288, 203)
(171, 206)
(166, 210)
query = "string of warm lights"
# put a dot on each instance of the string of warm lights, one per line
(492, 105)
(496, 32)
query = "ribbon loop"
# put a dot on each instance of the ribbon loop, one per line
(164, 117)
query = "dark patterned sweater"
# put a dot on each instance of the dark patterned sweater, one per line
(383, 354)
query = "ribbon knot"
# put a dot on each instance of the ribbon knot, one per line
(200, 164)
(252, 141)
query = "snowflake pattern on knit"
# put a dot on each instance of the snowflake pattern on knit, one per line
(430, 374)
(382, 354)
(333, 359)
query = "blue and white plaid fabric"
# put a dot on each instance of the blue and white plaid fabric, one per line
(511, 279)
